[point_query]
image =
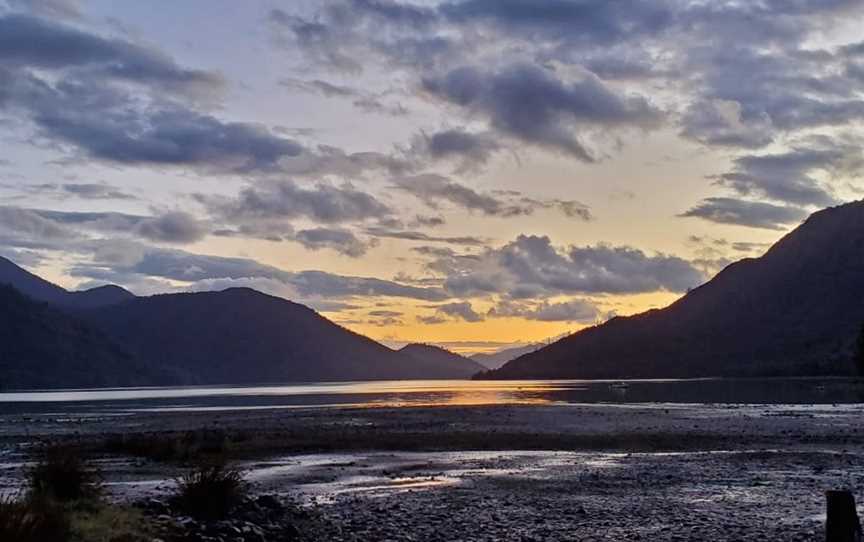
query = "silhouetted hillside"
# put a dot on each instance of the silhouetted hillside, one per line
(43, 347)
(240, 336)
(442, 363)
(496, 360)
(40, 289)
(794, 311)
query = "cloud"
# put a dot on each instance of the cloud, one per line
(535, 106)
(125, 261)
(110, 125)
(370, 102)
(172, 227)
(789, 176)
(93, 191)
(577, 310)
(407, 235)
(25, 228)
(460, 310)
(433, 188)
(58, 9)
(531, 267)
(176, 227)
(754, 214)
(470, 151)
(34, 42)
(340, 240)
(281, 200)
(720, 123)
(326, 160)
(591, 22)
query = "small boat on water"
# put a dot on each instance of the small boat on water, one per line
(620, 386)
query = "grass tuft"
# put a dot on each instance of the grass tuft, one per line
(210, 492)
(62, 474)
(32, 520)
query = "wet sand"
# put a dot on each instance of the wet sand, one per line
(546, 472)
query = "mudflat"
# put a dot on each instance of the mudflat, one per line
(502, 472)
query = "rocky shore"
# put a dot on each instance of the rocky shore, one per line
(568, 473)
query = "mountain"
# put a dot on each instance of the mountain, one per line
(108, 336)
(241, 336)
(442, 363)
(43, 347)
(499, 358)
(40, 289)
(794, 311)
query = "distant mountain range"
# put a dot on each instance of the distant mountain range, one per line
(499, 358)
(797, 310)
(41, 290)
(107, 336)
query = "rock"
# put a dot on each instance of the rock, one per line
(270, 502)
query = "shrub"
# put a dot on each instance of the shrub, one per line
(61, 474)
(32, 520)
(210, 492)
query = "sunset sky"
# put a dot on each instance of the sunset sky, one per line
(471, 173)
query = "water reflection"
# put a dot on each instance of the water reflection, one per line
(438, 392)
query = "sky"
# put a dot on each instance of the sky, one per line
(471, 173)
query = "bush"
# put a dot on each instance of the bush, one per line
(32, 520)
(210, 492)
(61, 474)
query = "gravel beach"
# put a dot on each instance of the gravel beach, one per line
(548, 472)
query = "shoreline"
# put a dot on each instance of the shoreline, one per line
(600, 472)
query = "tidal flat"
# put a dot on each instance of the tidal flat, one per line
(495, 472)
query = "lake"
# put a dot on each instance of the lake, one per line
(436, 392)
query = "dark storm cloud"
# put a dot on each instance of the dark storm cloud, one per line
(755, 214)
(534, 105)
(531, 267)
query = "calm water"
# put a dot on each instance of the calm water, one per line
(439, 392)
